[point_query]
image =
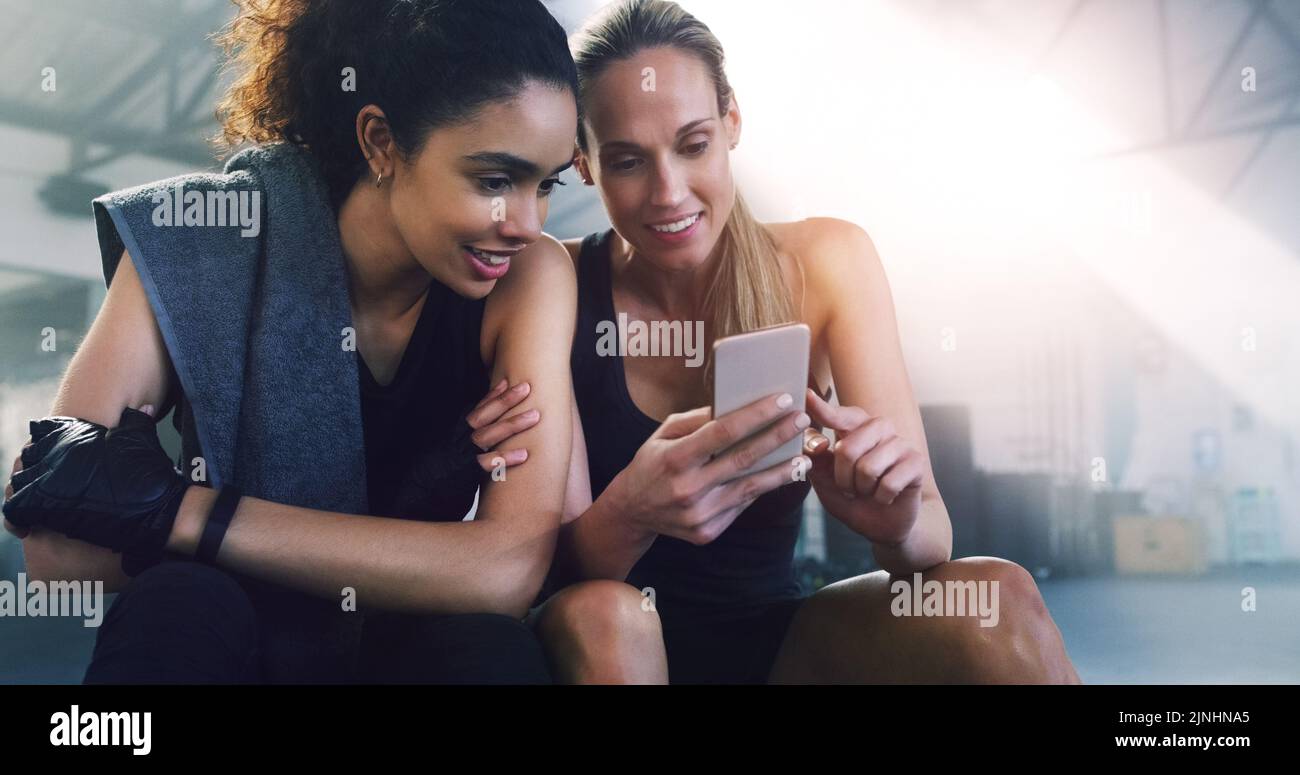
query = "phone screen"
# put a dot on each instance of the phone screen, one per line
(749, 366)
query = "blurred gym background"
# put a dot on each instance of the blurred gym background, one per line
(1087, 210)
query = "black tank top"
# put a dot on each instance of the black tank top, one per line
(752, 562)
(420, 462)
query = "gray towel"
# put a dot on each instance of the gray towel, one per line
(252, 313)
(254, 324)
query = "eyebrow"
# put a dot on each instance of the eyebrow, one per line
(686, 129)
(509, 162)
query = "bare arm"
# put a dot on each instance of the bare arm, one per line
(867, 364)
(577, 489)
(594, 543)
(122, 362)
(598, 545)
(495, 563)
(680, 484)
(860, 336)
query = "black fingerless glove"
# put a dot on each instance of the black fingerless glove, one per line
(110, 487)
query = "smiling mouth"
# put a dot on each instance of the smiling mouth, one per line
(676, 226)
(491, 259)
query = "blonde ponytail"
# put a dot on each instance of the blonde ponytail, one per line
(748, 290)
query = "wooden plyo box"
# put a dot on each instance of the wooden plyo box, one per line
(1158, 544)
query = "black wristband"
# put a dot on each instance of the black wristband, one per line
(214, 531)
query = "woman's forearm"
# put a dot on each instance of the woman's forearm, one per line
(484, 565)
(600, 544)
(929, 544)
(50, 556)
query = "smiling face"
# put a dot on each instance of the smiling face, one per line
(477, 191)
(661, 158)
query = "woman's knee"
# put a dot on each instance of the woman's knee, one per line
(1016, 641)
(192, 589)
(600, 614)
(175, 576)
(177, 622)
(603, 631)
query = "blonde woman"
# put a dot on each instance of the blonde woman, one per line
(719, 556)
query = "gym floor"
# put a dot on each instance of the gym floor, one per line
(1138, 630)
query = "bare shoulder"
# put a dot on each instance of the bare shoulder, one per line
(539, 291)
(825, 245)
(542, 265)
(831, 259)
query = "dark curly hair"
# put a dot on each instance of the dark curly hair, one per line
(426, 63)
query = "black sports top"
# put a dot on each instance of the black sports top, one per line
(420, 462)
(419, 458)
(752, 562)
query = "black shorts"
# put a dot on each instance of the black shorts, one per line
(184, 622)
(728, 647)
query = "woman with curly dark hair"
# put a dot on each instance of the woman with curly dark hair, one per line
(327, 316)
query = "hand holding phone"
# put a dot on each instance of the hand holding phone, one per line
(749, 366)
(686, 480)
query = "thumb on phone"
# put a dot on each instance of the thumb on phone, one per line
(814, 443)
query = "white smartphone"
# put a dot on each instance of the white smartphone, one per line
(759, 363)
